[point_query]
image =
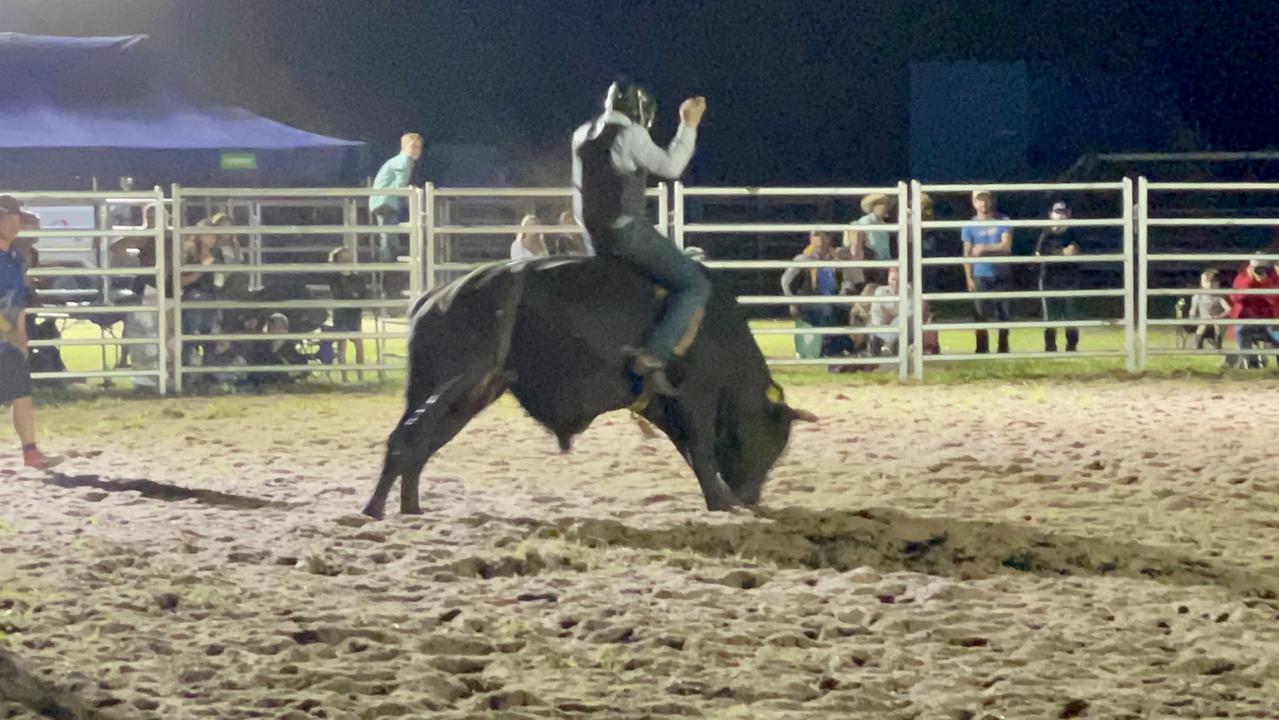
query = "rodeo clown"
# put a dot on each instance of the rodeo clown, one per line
(612, 158)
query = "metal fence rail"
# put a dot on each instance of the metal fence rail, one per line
(256, 267)
(1124, 222)
(438, 221)
(1149, 257)
(899, 228)
(100, 303)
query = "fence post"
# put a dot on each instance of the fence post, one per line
(415, 242)
(1143, 268)
(663, 210)
(162, 322)
(1130, 330)
(904, 331)
(255, 243)
(917, 275)
(679, 214)
(428, 211)
(176, 279)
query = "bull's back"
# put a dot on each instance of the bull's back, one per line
(456, 327)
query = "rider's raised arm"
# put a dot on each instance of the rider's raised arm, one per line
(634, 149)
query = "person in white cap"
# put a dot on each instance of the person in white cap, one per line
(1058, 240)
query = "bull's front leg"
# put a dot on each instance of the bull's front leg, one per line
(699, 452)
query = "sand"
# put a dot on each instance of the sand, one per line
(1100, 549)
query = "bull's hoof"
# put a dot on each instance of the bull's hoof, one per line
(375, 512)
(413, 509)
(722, 504)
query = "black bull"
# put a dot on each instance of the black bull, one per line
(553, 333)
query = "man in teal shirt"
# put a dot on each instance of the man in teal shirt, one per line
(389, 209)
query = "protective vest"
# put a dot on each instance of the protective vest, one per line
(608, 193)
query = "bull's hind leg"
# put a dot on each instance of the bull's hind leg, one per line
(431, 439)
(405, 443)
(425, 429)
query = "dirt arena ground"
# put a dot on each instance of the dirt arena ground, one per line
(1096, 549)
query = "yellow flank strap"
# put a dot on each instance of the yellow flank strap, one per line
(637, 411)
(641, 403)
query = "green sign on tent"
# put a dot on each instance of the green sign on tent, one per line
(239, 161)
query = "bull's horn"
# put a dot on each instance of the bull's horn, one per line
(803, 415)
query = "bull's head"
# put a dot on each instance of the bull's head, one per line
(751, 434)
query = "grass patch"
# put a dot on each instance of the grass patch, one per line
(87, 358)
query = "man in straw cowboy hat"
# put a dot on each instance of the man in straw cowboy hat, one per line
(872, 244)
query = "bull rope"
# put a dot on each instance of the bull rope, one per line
(637, 409)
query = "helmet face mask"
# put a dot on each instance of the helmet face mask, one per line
(632, 101)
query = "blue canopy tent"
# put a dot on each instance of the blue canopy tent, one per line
(73, 109)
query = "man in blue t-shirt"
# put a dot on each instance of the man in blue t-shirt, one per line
(990, 241)
(15, 375)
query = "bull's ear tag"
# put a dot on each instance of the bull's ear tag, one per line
(774, 394)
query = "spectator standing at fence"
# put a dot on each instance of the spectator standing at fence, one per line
(15, 374)
(1258, 274)
(992, 241)
(143, 287)
(1058, 241)
(390, 209)
(198, 286)
(347, 285)
(873, 244)
(931, 246)
(528, 245)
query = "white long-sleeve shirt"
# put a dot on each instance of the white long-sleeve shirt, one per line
(633, 149)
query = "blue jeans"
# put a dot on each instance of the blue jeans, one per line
(982, 308)
(1250, 336)
(197, 322)
(982, 311)
(388, 244)
(642, 245)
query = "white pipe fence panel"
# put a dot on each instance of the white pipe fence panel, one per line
(435, 225)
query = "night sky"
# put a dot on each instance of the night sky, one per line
(799, 92)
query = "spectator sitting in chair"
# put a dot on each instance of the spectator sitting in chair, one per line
(859, 317)
(813, 281)
(275, 352)
(528, 245)
(888, 315)
(1258, 274)
(573, 243)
